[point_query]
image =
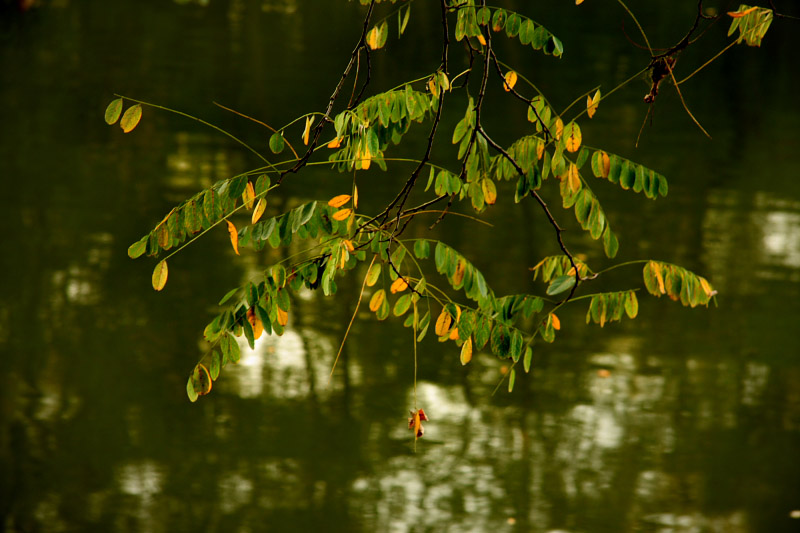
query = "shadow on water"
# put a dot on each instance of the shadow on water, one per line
(683, 420)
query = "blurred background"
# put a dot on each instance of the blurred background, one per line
(684, 420)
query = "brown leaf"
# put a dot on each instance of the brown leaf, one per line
(415, 422)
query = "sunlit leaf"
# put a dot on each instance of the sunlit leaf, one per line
(307, 130)
(443, 323)
(234, 235)
(160, 275)
(415, 423)
(466, 351)
(339, 201)
(377, 300)
(592, 102)
(342, 214)
(510, 80)
(489, 191)
(259, 210)
(556, 322)
(283, 316)
(113, 111)
(572, 137)
(249, 195)
(399, 285)
(131, 118)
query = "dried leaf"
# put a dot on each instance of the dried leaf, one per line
(342, 214)
(259, 210)
(339, 201)
(160, 275)
(592, 103)
(415, 422)
(234, 234)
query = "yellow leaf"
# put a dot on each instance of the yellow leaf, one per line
(335, 143)
(443, 323)
(307, 130)
(377, 300)
(433, 88)
(573, 137)
(578, 2)
(373, 38)
(249, 195)
(706, 287)
(466, 351)
(539, 150)
(160, 275)
(606, 164)
(461, 269)
(415, 422)
(283, 317)
(659, 277)
(131, 118)
(234, 236)
(453, 334)
(489, 191)
(574, 180)
(556, 322)
(738, 14)
(399, 285)
(342, 214)
(510, 80)
(339, 201)
(355, 197)
(259, 210)
(592, 102)
(482, 40)
(559, 128)
(366, 159)
(255, 322)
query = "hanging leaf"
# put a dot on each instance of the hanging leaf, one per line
(283, 316)
(572, 137)
(259, 210)
(335, 143)
(510, 80)
(342, 214)
(556, 322)
(201, 380)
(215, 365)
(489, 191)
(511, 378)
(466, 351)
(373, 274)
(443, 324)
(307, 129)
(276, 142)
(339, 201)
(526, 361)
(113, 111)
(160, 275)
(131, 118)
(592, 103)
(415, 422)
(399, 285)
(373, 38)
(255, 323)
(355, 197)
(249, 195)
(377, 300)
(234, 235)
(561, 284)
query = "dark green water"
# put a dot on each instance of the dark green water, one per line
(695, 429)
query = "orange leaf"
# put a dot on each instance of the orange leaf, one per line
(307, 130)
(255, 322)
(339, 201)
(443, 323)
(399, 285)
(738, 14)
(349, 245)
(259, 210)
(574, 180)
(355, 197)
(592, 103)
(283, 317)
(335, 143)
(342, 214)
(482, 40)
(556, 322)
(510, 80)
(453, 334)
(578, 2)
(606, 164)
(415, 422)
(248, 195)
(377, 300)
(234, 236)
(559, 128)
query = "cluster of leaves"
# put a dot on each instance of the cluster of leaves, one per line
(399, 278)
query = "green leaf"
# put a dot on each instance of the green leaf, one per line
(131, 118)
(512, 25)
(511, 379)
(402, 304)
(631, 305)
(113, 111)
(422, 248)
(276, 142)
(517, 343)
(561, 284)
(190, 391)
(138, 248)
(610, 243)
(526, 361)
(228, 295)
(215, 365)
